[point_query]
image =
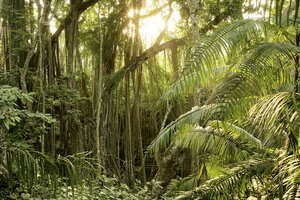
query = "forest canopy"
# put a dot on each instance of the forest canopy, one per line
(149, 99)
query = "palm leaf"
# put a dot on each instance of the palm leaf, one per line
(257, 73)
(289, 176)
(278, 111)
(183, 184)
(224, 41)
(188, 83)
(237, 132)
(239, 178)
(219, 46)
(213, 141)
(205, 112)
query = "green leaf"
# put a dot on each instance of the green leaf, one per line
(6, 124)
(23, 100)
(32, 93)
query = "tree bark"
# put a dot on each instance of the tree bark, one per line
(175, 63)
(14, 27)
(79, 8)
(99, 89)
(193, 7)
(169, 164)
(23, 72)
(128, 132)
(71, 37)
(108, 134)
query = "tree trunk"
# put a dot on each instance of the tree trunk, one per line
(128, 148)
(136, 125)
(108, 130)
(135, 112)
(193, 7)
(108, 137)
(98, 89)
(71, 33)
(169, 164)
(128, 136)
(296, 77)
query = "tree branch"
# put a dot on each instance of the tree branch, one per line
(132, 65)
(68, 19)
(155, 11)
(163, 32)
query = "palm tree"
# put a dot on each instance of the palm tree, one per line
(251, 119)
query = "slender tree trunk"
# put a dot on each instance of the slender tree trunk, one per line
(5, 39)
(296, 79)
(71, 32)
(136, 129)
(99, 86)
(51, 71)
(14, 27)
(108, 137)
(41, 66)
(46, 78)
(136, 125)
(23, 72)
(175, 63)
(193, 7)
(128, 133)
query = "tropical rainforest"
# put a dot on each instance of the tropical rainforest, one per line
(149, 99)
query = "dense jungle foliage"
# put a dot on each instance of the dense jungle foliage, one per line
(149, 99)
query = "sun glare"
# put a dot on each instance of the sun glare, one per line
(259, 13)
(152, 26)
(52, 25)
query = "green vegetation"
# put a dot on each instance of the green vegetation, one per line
(99, 102)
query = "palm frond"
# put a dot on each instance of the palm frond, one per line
(237, 180)
(277, 111)
(205, 112)
(183, 184)
(244, 100)
(289, 176)
(224, 41)
(237, 132)
(213, 141)
(211, 50)
(187, 84)
(261, 71)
